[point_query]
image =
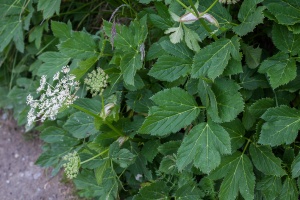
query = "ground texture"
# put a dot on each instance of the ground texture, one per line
(20, 179)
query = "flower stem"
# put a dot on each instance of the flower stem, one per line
(92, 158)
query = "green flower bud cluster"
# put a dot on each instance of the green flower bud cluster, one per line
(72, 164)
(229, 1)
(96, 81)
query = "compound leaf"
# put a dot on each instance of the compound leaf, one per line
(281, 126)
(176, 109)
(49, 7)
(203, 146)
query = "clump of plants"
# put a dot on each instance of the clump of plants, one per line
(150, 99)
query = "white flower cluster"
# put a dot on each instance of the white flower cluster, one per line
(96, 81)
(52, 98)
(229, 1)
(72, 164)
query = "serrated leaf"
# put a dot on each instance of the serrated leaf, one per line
(150, 150)
(176, 109)
(285, 40)
(280, 69)
(80, 125)
(238, 176)
(168, 165)
(130, 63)
(169, 148)
(80, 46)
(236, 132)
(213, 59)
(53, 62)
(154, 191)
(178, 50)
(139, 100)
(48, 7)
(259, 107)
(176, 34)
(251, 80)
(191, 39)
(233, 67)
(170, 68)
(109, 185)
(252, 55)
(265, 161)
(84, 66)
(270, 187)
(290, 15)
(61, 30)
(250, 16)
(99, 171)
(123, 157)
(8, 7)
(188, 192)
(159, 22)
(289, 190)
(296, 167)
(281, 126)
(203, 146)
(54, 134)
(225, 100)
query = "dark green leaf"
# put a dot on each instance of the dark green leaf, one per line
(154, 191)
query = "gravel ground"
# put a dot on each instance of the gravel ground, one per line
(20, 179)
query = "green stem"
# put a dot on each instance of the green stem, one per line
(92, 158)
(246, 146)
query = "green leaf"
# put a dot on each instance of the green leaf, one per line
(225, 100)
(53, 62)
(213, 59)
(238, 176)
(80, 125)
(189, 192)
(270, 187)
(233, 67)
(169, 148)
(296, 167)
(170, 68)
(265, 161)
(91, 105)
(84, 66)
(109, 185)
(154, 191)
(176, 34)
(54, 134)
(130, 63)
(168, 165)
(252, 55)
(289, 190)
(259, 107)
(176, 109)
(37, 33)
(251, 80)
(61, 30)
(139, 100)
(280, 69)
(285, 40)
(290, 15)
(49, 7)
(178, 50)
(249, 16)
(281, 126)
(236, 132)
(191, 39)
(150, 150)
(122, 157)
(80, 46)
(203, 146)
(100, 171)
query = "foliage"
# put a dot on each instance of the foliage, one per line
(177, 99)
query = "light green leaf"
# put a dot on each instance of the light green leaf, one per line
(122, 157)
(191, 39)
(53, 62)
(249, 16)
(49, 7)
(270, 187)
(8, 7)
(285, 40)
(265, 161)
(80, 125)
(289, 190)
(84, 66)
(176, 109)
(61, 30)
(281, 126)
(213, 59)
(170, 68)
(203, 146)
(280, 68)
(225, 100)
(80, 46)
(176, 34)
(252, 55)
(99, 171)
(188, 192)
(296, 167)
(154, 191)
(238, 176)
(290, 15)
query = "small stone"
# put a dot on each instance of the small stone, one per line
(7, 181)
(16, 155)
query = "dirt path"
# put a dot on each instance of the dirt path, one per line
(20, 179)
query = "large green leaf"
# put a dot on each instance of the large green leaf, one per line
(289, 190)
(61, 30)
(176, 109)
(213, 59)
(280, 69)
(281, 126)
(285, 40)
(49, 7)
(270, 187)
(154, 191)
(237, 171)
(203, 146)
(54, 134)
(189, 192)
(236, 131)
(250, 16)
(130, 63)
(265, 161)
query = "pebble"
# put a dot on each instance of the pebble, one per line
(16, 155)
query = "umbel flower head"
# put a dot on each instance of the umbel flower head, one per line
(229, 1)
(52, 98)
(72, 164)
(96, 81)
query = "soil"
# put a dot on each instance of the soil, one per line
(20, 179)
